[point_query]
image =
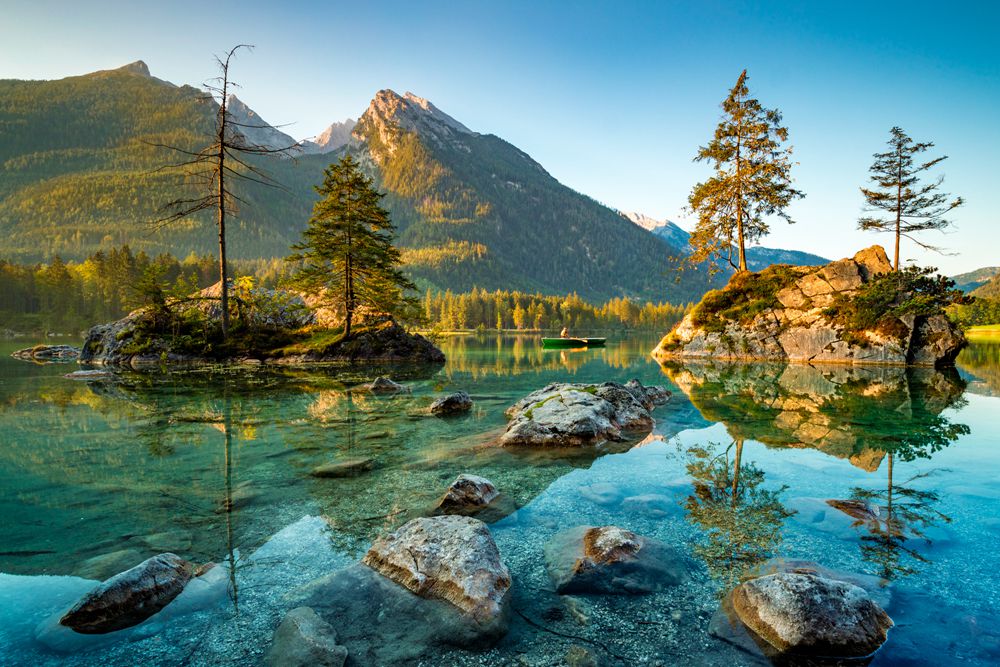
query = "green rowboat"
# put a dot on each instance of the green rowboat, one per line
(566, 343)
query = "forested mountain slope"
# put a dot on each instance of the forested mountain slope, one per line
(79, 171)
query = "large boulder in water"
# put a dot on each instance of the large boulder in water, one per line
(452, 558)
(129, 598)
(434, 584)
(579, 414)
(808, 615)
(611, 560)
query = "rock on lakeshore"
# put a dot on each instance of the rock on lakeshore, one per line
(129, 598)
(452, 404)
(578, 414)
(452, 558)
(796, 325)
(611, 560)
(305, 640)
(804, 614)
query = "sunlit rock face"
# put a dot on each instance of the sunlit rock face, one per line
(563, 414)
(783, 314)
(452, 558)
(433, 584)
(850, 412)
(808, 615)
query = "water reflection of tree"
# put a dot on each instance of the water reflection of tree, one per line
(898, 515)
(741, 519)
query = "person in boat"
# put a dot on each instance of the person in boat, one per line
(564, 333)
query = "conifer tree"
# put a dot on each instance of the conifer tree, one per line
(346, 253)
(752, 180)
(911, 206)
(215, 168)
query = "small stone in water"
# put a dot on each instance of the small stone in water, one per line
(346, 468)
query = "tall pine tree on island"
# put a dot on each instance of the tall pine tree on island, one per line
(752, 180)
(912, 207)
(347, 255)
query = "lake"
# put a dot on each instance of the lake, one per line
(214, 465)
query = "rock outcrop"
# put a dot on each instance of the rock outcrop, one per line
(784, 314)
(305, 640)
(129, 598)
(141, 340)
(611, 560)
(452, 404)
(451, 558)
(564, 414)
(807, 615)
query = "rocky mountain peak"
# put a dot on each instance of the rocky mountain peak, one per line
(256, 130)
(333, 137)
(390, 112)
(138, 67)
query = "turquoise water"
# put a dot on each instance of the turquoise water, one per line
(213, 465)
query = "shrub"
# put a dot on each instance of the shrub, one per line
(880, 304)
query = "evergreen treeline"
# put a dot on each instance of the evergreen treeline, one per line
(481, 309)
(68, 297)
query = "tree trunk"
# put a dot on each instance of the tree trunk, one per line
(223, 269)
(736, 470)
(899, 205)
(739, 199)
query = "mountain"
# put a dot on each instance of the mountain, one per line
(474, 210)
(79, 172)
(972, 280)
(989, 290)
(330, 139)
(664, 229)
(758, 258)
(257, 131)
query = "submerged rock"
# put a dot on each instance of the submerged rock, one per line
(467, 494)
(451, 404)
(383, 385)
(804, 614)
(131, 597)
(305, 640)
(611, 560)
(783, 314)
(346, 468)
(452, 558)
(578, 414)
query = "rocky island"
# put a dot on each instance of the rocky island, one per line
(852, 311)
(274, 326)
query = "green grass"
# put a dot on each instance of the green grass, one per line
(746, 296)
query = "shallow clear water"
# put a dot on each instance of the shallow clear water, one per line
(213, 465)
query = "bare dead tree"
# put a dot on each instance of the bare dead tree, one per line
(214, 169)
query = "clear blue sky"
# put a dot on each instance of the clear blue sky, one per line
(613, 98)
